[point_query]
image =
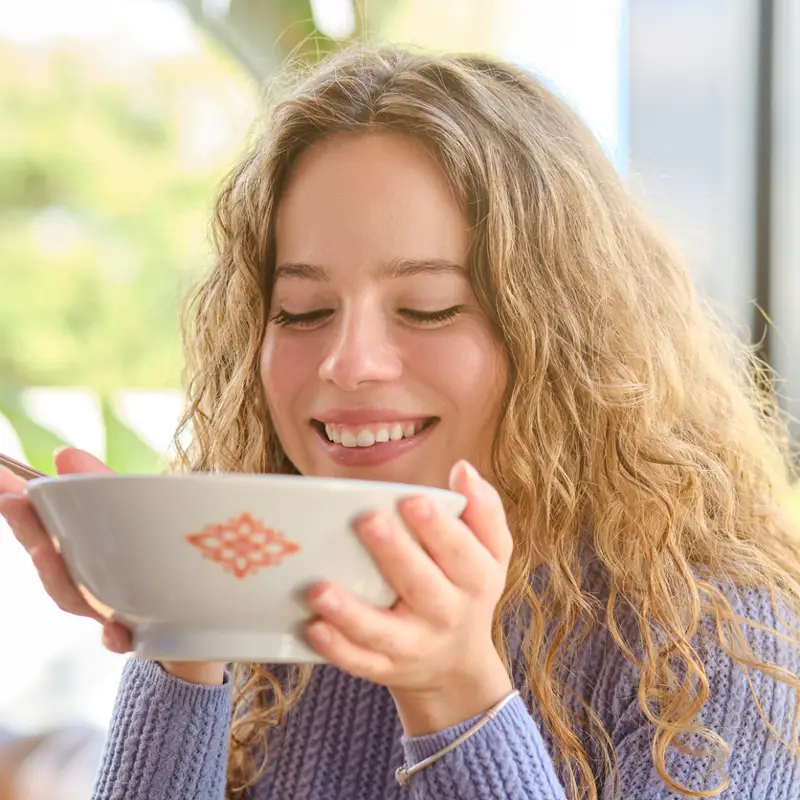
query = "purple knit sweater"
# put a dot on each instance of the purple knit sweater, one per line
(343, 741)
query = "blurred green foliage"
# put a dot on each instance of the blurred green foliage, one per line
(39, 442)
(106, 183)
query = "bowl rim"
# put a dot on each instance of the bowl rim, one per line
(37, 485)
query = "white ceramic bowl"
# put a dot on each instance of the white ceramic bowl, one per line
(212, 567)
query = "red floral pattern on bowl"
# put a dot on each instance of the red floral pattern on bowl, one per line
(243, 545)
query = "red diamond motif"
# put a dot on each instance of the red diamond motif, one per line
(243, 545)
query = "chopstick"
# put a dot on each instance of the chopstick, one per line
(20, 469)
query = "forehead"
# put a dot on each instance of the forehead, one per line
(357, 202)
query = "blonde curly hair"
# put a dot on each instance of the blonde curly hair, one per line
(631, 422)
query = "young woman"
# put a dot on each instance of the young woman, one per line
(428, 272)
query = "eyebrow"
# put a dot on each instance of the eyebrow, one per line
(397, 268)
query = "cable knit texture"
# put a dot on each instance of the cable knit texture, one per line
(168, 739)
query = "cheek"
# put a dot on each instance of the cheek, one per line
(285, 367)
(467, 368)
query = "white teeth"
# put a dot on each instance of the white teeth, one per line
(366, 438)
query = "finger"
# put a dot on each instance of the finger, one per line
(484, 514)
(449, 542)
(407, 567)
(23, 521)
(70, 460)
(117, 638)
(333, 645)
(58, 583)
(372, 628)
(10, 483)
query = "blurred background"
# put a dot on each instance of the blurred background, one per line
(118, 118)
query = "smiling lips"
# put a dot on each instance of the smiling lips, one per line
(359, 438)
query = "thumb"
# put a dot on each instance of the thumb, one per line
(71, 461)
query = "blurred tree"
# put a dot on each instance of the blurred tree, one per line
(262, 36)
(106, 182)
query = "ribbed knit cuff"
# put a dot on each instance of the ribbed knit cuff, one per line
(167, 738)
(505, 760)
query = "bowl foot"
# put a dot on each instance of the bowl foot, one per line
(158, 643)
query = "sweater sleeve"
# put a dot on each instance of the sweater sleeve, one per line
(167, 738)
(507, 760)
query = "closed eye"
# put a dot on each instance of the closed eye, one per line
(311, 318)
(287, 320)
(431, 317)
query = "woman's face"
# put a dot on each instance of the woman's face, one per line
(377, 361)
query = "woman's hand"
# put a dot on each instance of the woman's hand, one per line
(433, 648)
(31, 534)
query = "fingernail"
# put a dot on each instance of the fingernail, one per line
(419, 509)
(327, 599)
(60, 450)
(376, 527)
(468, 474)
(320, 632)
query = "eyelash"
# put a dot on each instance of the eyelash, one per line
(287, 320)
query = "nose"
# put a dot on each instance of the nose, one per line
(361, 351)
